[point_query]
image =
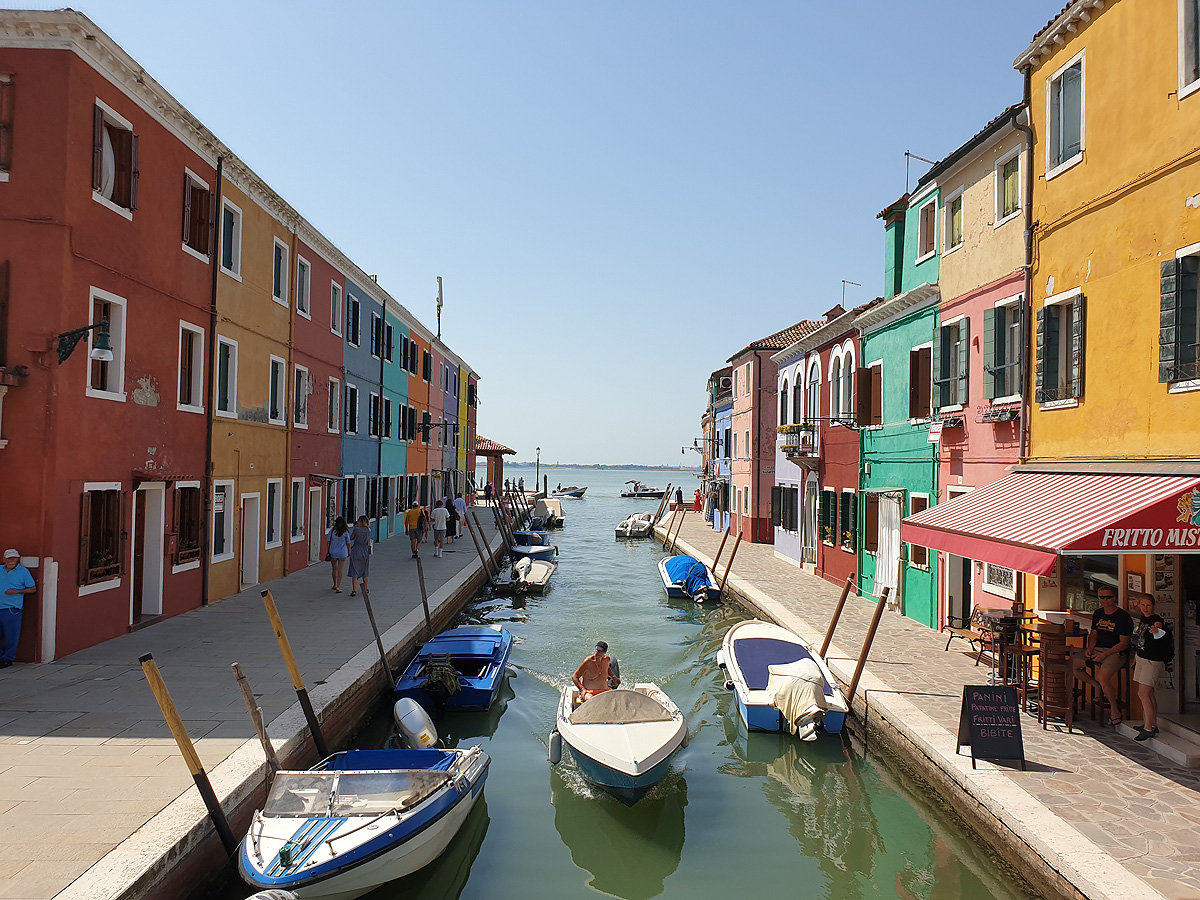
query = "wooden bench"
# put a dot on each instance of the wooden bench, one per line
(977, 631)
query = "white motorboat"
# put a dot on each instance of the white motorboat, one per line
(686, 576)
(525, 575)
(639, 525)
(548, 514)
(573, 492)
(621, 740)
(643, 491)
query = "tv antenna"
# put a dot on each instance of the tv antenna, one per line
(911, 156)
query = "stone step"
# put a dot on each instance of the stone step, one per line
(1181, 749)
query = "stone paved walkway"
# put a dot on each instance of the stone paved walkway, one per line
(1124, 819)
(85, 757)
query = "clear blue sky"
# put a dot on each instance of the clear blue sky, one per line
(618, 195)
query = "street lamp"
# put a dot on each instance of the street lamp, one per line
(101, 352)
(537, 473)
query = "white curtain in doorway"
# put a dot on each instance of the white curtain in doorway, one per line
(887, 560)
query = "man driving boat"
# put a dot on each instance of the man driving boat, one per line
(595, 674)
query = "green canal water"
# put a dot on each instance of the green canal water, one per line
(738, 816)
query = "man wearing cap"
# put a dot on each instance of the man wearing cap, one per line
(595, 674)
(15, 583)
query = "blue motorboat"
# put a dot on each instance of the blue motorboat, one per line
(686, 576)
(473, 657)
(360, 819)
(532, 544)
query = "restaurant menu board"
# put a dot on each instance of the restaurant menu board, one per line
(990, 723)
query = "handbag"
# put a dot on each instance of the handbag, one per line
(328, 558)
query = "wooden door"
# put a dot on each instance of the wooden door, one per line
(139, 553)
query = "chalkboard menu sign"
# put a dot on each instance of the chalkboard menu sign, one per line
(990, 723)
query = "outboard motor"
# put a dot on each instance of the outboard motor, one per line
(414, 724)
(615, 665)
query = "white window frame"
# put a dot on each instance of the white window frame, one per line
(734, 435)
(234, 273)
(947, 205)
(934, 373)
(1188, 32)
(114, 582)
(195, 563)
(736, 372)
(1053, 171)
(334, 411)
(230, 553)
(991, 588)
(113, 118)
(1060, 299)
(116, 335)
(281, 248)
(1191, 384)
(849, 373)
(998, 187)
(929, 553)
(878, 364)
(283, 390)
(1013, 302)
(836, 359)
(852, 549)
(276, 483)
(336, 307)
(197, 368)
(931, 201)
(233, 367)
(389, 337)
(199, 182)
(812, 396)
(293, 506)
(346, 410)
(746, 386)
(303, 284)
(297, 369)
(747, 448)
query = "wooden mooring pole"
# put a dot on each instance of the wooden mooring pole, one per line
(837, 614)
(289, 660)
(487, 566)
(387, 669)
(675, 542)
(424, 596)
(256, 717)
(717, 559)
(190, 756)
(866, 647)
(732, 554)
(667, 530)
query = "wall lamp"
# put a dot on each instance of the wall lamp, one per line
(101, 352)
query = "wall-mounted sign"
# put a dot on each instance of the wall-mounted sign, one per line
(935, 432)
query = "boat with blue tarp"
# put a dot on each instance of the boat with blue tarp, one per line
(686, 576)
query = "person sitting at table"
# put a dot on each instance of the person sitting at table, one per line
(1107, 642)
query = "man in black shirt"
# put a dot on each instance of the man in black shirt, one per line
(1107, 644)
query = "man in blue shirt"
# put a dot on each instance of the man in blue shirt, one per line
(15, 583)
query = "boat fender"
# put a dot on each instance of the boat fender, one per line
(555, 748)
(414, 724)
(615, 665)
(721, 659)
(274, 894)
(728, 685)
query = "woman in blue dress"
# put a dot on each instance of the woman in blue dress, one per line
(360, 554)
(339, 550)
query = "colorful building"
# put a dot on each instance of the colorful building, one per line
(718, 436)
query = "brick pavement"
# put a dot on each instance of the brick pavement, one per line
(85, 757)
(1111, 816)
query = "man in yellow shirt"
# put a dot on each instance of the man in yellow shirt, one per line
(412, 519)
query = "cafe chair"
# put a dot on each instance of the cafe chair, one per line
(1056, 688)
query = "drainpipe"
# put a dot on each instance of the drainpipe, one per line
(1027, 301)
(290, 426)
(207, 481)
(379, 410)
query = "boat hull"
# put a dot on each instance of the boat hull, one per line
(475, 691)
(546, 552)
(629, 789)
(675, 589)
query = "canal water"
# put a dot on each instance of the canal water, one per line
(737, 816)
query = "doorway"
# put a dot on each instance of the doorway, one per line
(251, 526)
(314, 525)
(809, 545)
(149, 510)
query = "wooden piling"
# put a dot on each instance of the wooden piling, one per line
(729, 566)
(424, 598)
(190, 756)
(675, 543)
(483, 537)
(837, 614)
(866, 647)
(289, 660)
(256, 717)
(717, 559)
(487, 565)
(387, 669)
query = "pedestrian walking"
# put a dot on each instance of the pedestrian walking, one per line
(679, 498)
(452, 526)
(412, 525)
(440, 518)
(16, 582)
(339, 550)
(506, 486)
(521, 484)
(460, 507)
(487, 493)
(423, 525)
(360, 555)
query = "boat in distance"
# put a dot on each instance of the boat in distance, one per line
(476, 657)
(359, 819)
(686, 576)
(621, 740)
(638, 525)
(643, 491)
(574, 492)
(780, 682)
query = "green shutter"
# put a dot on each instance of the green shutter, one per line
(993, 322)
(775, 505)
(1168, 322)
(963, 362)
(852, 506)
(940, 369)
(1040, 356)
(1185, 317)
(1076, 338)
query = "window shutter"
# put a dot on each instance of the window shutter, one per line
(123, 533)
(1168, 320)
(822, 515)
(6, 124)
(133, 171)
(1040, 360)
(914, 381)
(871, 522)
(85, 522)
(877, 395)
(776, 504)
(1077, 335)
(187, 208)
(989, 352)
(925, 381)
(97, 149)
(962, 364)
(852, 509)
(4, 273)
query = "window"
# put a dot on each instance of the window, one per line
(349, 500)
(828, 515)
(1065, 116)
(926, 230)
(917, 555)
(300, 390)
(277, 412)
(1002, 350)
(351, 425)
(951, 345)
(1060, 334)
(783, 403)
(387, 417)
(919, 382)
(1178, 332)
(736, 372)
(335, 308)
(188, 510)
(745, 501)
(191, 368)
(7, 92)
(197, 208)
(101, 534)
(297, 509)
(412, 357)
(726, 443)
(870, 396)
(441, 433)
(410, 433)
(953, 228)
(1189, 46)
(849, 512)
(1008, 187)
(785, 507)
(231, 239)
(426, 365)
(389, 340)
(376, 336)
(746, 446)
(274, 512)
(303, 285)
(353, 335)
(871, 523)
(114, 160)
(335, 402)
(373, 415)
(227, 377)
(847, 382)
(403, 352)
(835, 388)
(813, 396)
(107, 379)
(222, 529)
(746, 382)
(279, 272)
(999, 580)
(735, 446)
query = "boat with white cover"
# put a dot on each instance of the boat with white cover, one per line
(548, 514)
(643, 491)
(360, 819)
(686, 576)
(525, 576)
(573, 492)
(621, 740)
(639, 525)
(780, 683)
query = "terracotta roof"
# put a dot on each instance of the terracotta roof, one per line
(483, 445)
(781, 339)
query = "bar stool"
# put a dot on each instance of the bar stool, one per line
(1056, 687)
(1095, 698)
(1018, 665)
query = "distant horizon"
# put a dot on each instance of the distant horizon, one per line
(530, 464)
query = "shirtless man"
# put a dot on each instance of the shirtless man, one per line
(593, 674)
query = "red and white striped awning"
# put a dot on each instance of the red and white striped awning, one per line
(1027, 519)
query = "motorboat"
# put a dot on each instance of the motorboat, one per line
(643, 491)
(525, 575)
(621, 740)
(779, 682)
(458, 669)
(686, 576)
(549, 512)
(532, 545)
(360, 819)
(639, 525)
(574, 492)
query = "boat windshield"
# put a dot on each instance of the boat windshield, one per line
(300, 794)
(372, 793)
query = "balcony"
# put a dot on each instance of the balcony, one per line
(799, 443)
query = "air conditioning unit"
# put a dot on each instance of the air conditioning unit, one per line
(727, 384)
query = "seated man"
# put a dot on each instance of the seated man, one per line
(1107, 643)
(595, 674)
